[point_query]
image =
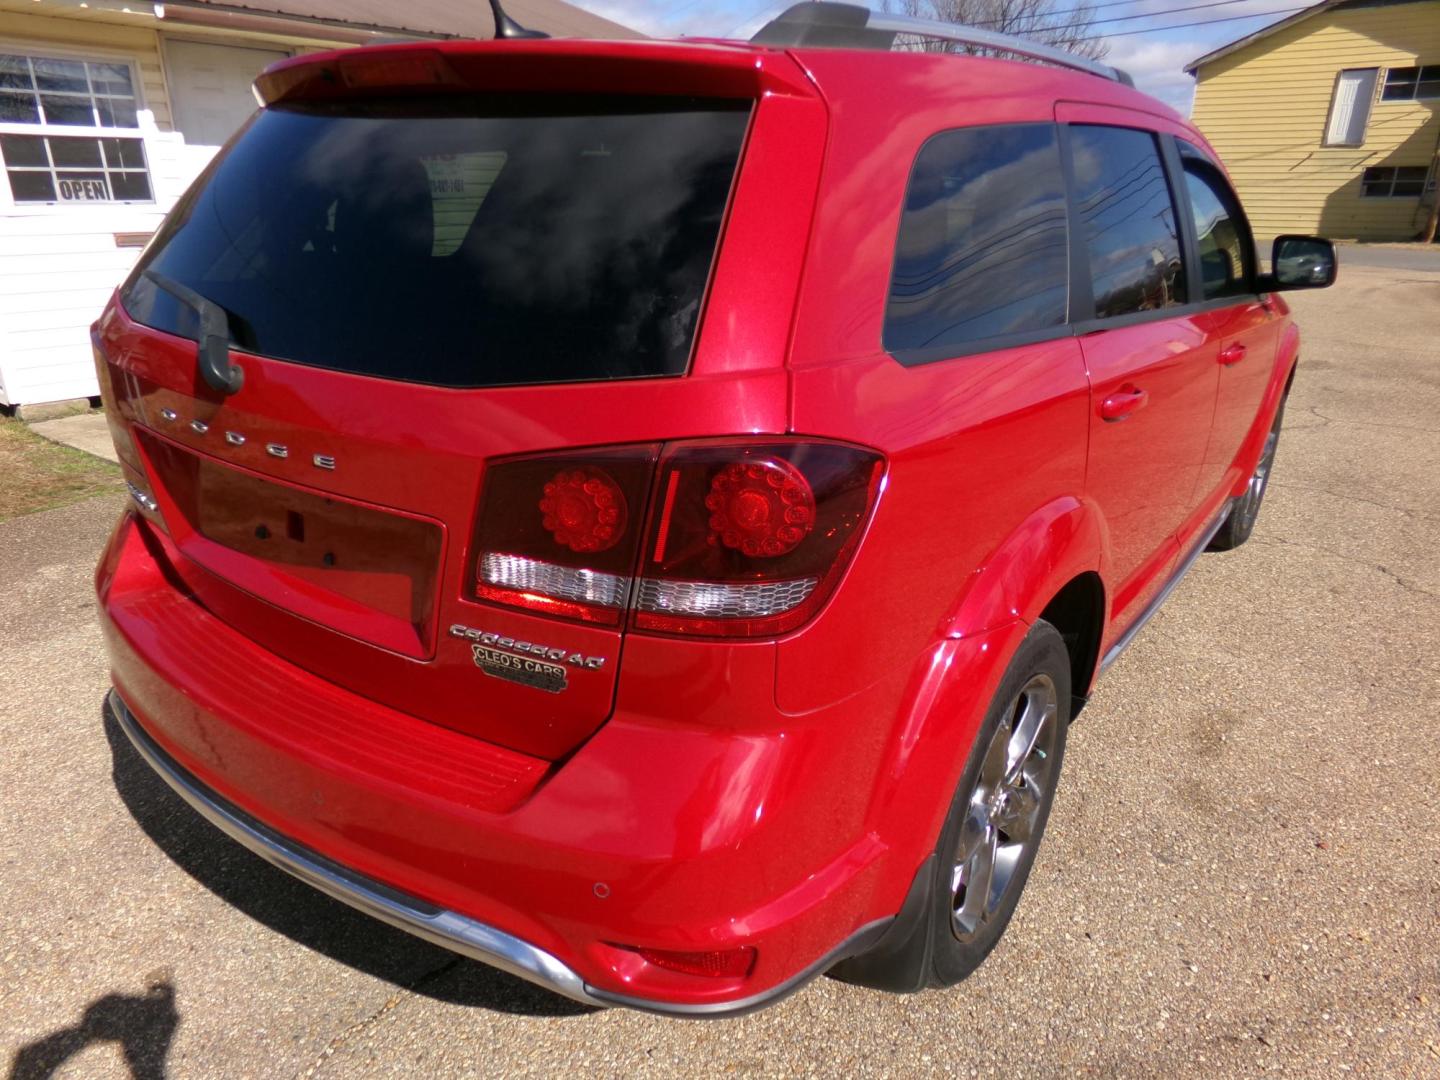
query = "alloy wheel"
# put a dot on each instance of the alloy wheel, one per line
(1249, 507)
(1004, 810)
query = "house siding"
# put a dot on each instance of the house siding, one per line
(60, 263)
(1265, 107)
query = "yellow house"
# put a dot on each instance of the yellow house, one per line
(109, 108)
(1329, 120)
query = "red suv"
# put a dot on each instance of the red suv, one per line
(643, 514)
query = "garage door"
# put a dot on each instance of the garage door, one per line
(210, 87)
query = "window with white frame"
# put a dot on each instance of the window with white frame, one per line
(1412, 84)
(1350, 106)
(63, 124)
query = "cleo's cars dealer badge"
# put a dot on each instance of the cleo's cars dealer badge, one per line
(543, 667)
(525, 670)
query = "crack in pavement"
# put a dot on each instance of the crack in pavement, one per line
(1416, 514)
(1408, 586)
(388, 1006)
(1314, 411)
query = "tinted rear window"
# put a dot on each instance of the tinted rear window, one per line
(456, 242)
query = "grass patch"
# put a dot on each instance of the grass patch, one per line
(37, 474)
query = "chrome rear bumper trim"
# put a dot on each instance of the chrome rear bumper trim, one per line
(448, 929)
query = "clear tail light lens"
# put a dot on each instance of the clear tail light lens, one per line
(741, 539)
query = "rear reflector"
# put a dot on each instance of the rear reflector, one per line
(726, 963)
(741, 539)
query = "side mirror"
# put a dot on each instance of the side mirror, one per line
(1301, 262)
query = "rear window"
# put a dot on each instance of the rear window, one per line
(461, 242)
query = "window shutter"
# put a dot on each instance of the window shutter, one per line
(1350, 109)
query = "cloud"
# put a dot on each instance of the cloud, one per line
(1158, 68)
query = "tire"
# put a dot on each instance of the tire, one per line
(1246, 509)
(1019, 749)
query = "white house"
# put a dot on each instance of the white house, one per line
(109, 108)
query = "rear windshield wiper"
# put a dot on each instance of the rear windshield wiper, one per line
(212, 351)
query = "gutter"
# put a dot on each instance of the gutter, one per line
(239, 18)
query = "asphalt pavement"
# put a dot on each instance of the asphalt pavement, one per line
(1390, 256)
(1242, 874)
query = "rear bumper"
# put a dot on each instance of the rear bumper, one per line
(651, 835)
(449, 929)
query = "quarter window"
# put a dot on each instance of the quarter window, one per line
(1221, 233)
(1127, 221)
(62, 127)
(982, 250)
(1412, 83)
(1387, 182)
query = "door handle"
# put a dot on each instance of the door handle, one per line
(1232, 354)
(1119, 405)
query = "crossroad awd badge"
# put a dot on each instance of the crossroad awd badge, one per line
(525, 662)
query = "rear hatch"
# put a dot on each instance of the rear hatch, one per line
(422, 274)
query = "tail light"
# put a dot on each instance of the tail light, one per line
(559, 533)
(132, 468)
(740, 539)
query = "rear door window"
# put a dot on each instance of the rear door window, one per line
(1127, 220)
(981, 260)
(460, 242)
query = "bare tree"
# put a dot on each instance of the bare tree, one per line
(1054, 22)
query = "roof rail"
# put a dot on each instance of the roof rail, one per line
(855, 27)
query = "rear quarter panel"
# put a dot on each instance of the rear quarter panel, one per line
(981, 518)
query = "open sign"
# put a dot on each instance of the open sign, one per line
(89, 190)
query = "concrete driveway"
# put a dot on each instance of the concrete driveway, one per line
(1242, 874)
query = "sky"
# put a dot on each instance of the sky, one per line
(1156, 57)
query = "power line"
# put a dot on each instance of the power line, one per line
(1046, 27)
(1086, 8)
(769, 8)
(1201, 22)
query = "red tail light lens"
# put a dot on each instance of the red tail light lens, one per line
(742, 539)
(761, 508)
(720, 964)
(750, 539)
(584, 509)
(556, 533)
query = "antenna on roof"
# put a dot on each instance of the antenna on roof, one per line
(507, 28)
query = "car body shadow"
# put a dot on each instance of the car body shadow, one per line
(269, 895)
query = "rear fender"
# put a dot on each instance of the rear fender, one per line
(1056, 543)
(951, 683)
(946, 698)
